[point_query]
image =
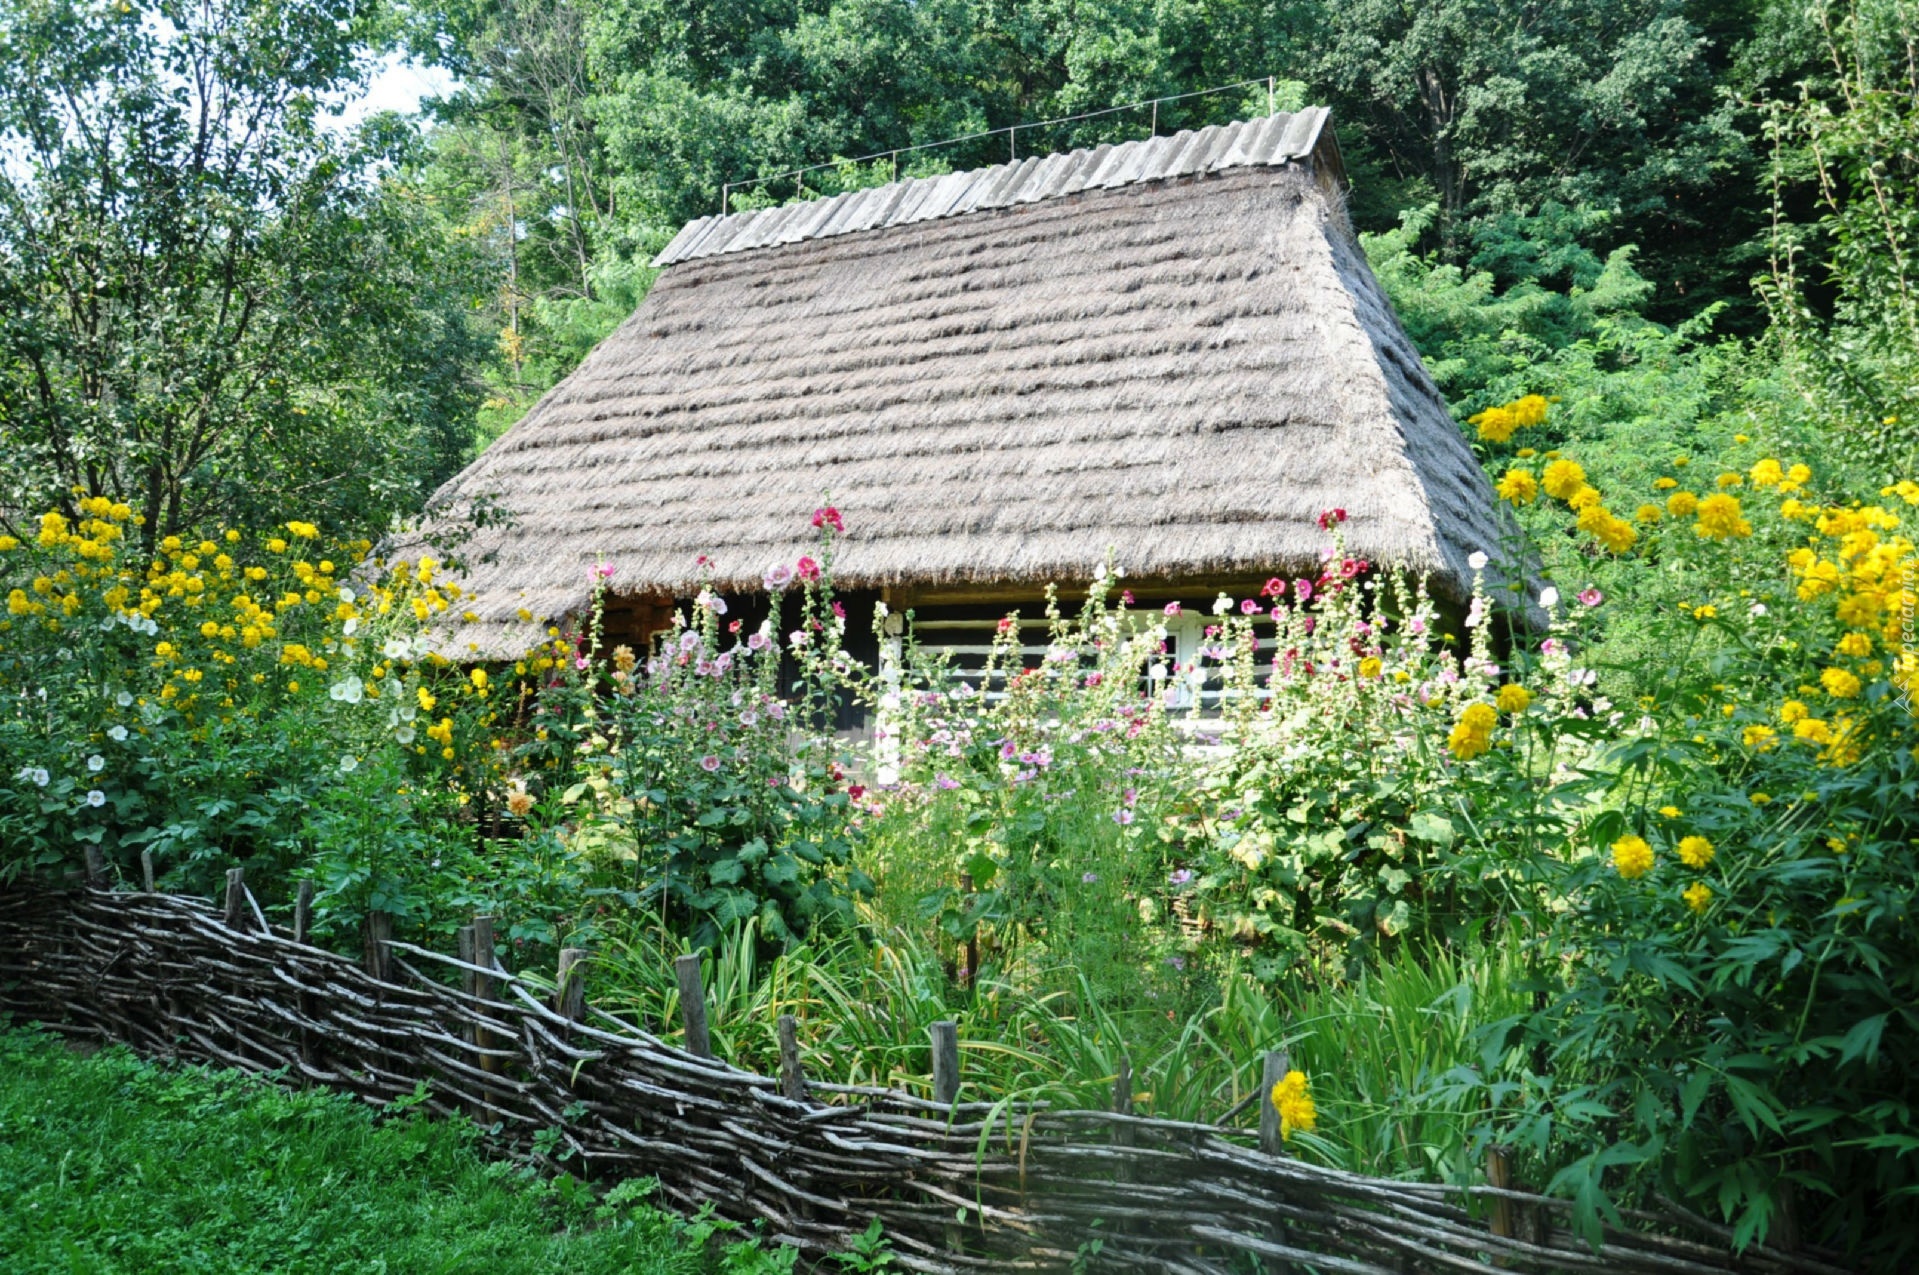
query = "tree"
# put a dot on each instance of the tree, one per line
(220, 304)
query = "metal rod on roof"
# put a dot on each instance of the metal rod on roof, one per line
(1012, 137)
(1155, 132)
(1012, 142)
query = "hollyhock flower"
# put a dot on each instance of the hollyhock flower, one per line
(1182, 877)
(1248, 607)
(1551, 646)
(757, 642)
(1008, 751)
(709, 763)
(839, 611)
(1275, 588)
(776, 710)
(796, 639)
(1222, 605)
(689, 641)
(1172, 608)
(1302, 590)
(828, 517)
(1130, 796)
(1476, 615)
(1416, 626)
(1122, 817)
(807, 569)
(1126, 597)
(945, 783)
(749, 718)
(1549, 597)
(777, 577)
(723, 661)
(604, 571)
(1330, 518)
(1477, 560)
(1591, 597)
(733, 626)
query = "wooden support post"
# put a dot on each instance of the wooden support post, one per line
(483, 985)
(236, 898)
(693, 1006)
(303, 912)
(1273, 1070)
(146, 870)
(946, 1061)
(1276, 1066)
(377, 932)
(1499, 1173)
(465, 937)
(792, 1079)
(97, 878)
(1123, 1105)
(569, 986)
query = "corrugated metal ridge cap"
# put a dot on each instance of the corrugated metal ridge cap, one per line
(1270, 141)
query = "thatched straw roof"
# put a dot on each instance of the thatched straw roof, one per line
(1174, 350)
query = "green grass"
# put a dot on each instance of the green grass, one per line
(108, 1164)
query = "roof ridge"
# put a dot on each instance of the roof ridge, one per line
(1267, 141)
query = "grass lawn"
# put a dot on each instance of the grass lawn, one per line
(108, 1163)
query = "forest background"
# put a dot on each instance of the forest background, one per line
(223, 299)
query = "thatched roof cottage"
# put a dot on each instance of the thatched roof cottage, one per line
(1171, 349)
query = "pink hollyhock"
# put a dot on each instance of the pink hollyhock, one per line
(1172, 608)
(807, 569)
(1329, 519)
(709, 763)
(828, 517)
(1249, 607)
(1302, 590)
(1275, 588)
(1591, 597)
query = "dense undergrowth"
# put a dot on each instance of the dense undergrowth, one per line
(112, 1164)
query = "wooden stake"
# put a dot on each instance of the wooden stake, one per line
(377, 932)
(569, 987)
(1123, 1105)
(236, 897)
(946, 1062)
(97, 878)
(693, 1006)
(792, 1079)
(146, 870)
(303, 912)
(1277, 1065)
(1499, 1173)
(483, 987)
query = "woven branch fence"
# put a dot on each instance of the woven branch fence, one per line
(958, 1186)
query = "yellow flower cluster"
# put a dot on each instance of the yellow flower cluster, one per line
(1472, 734)
(1497, 424)
(1293, 1099)
(1632, 856)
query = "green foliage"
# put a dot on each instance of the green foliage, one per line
(214, 299)
(111, 1164)
(1843, 287)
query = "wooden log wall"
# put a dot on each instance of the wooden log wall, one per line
(958, 1186)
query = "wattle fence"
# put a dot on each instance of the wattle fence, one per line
(957, 1186)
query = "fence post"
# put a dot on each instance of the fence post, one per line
(1275, 1070)
(97, 878)
(377, 930)
(792, 1079)
(569, 987)
(946, 1062)
(1271, 1141)
(1499, 1173)
(693, 1005)
(236, 897)
(1123, 1105)
(303, 912)
(146, 870)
